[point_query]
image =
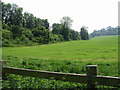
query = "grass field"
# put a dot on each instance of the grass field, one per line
(96, 48)
(68, 57)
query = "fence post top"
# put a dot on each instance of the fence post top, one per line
(1, 60)
(91, 65)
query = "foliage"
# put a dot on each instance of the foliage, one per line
(74, 35)
(65, 30)
(25, 28)
(42, 34)
(17, 31)
(84, 33)
(56, 38)
(28, 33)
(57, 28)
(103, 32)
(6, 34)
(66, 22)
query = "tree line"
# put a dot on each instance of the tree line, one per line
(23, 28)
(105, 31)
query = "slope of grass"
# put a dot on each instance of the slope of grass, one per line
(99, 50)
(68, 57)
(96, 48)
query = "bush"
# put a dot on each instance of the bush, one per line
(6, 35)
(56, 38)
(17, 31)
(41, 35)
(5, 26)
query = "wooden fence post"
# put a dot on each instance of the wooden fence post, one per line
(2, 75)
(1, 64)
(91, 74)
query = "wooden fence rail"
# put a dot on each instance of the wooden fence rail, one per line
(91, 78)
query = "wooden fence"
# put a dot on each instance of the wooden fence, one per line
(91, 78)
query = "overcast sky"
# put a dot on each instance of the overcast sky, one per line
(95, 14)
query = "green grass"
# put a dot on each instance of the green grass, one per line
(68, 57)
(96, 48)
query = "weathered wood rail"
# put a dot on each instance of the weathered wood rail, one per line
(91, 78)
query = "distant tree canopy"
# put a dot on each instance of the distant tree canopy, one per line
(84, 33)
(20, 28)
(65, 30)
(103, 32)
(57, 28)
(66, 22)
(13, 15)
(25, 29)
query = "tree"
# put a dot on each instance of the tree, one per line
(84, 33)
(66, 23)
(12, 14)
(102, 32)
(6, 34)
(16, 15)
(41, 34)
(74, 35)
(46, 24)
(56, 28)
(38, 22)
(28, 33)
(24, 28)
(29, 21)
(6, 13)
(17, 31)
(6, 37)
